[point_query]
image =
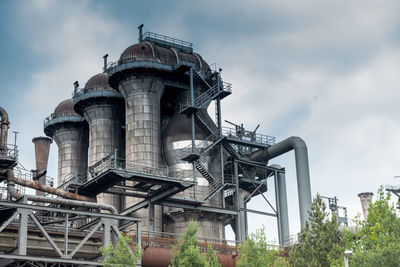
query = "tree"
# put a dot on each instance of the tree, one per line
(255, 252)
(122, 255)
(376, 241)
(320, 241)
(187, 253)
(211, 257)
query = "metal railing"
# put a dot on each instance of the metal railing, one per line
(9, 151)
(392, 187)
(248, 136)
(110, 162)
(166, 40)
(28, 175)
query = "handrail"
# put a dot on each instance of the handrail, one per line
(110, 162)
(9, 151)
(166, 39)
(248, 136)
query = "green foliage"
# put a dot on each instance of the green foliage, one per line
(320, 241)
(376, 241)
(211, 257)
(187, 253)
(254, 252)
(122, 255)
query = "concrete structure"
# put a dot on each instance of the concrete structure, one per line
(103, 109)
(176, 137)
(70, 132)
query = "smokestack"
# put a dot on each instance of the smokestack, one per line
(105, 62)
(3, 127)
(42, 147)
(365, 198)
(76, 85)
(140, 32)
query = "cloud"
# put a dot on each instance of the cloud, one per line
(327, 72)
(68, 40)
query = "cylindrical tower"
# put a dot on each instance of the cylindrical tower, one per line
(103, 109)
(145, 72)
(70, 132)
(176, 138)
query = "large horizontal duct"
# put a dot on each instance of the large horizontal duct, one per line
(302, 169)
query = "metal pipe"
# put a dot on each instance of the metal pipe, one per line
(283, 208)
(47, 189)
(302, 170)
(3, 127)
(105, 62)
(62, 201)
(140, 32)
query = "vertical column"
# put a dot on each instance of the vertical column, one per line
(143, 135)
(23, 232)
(282, 207)
(104, 138)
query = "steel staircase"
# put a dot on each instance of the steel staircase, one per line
(212, 88)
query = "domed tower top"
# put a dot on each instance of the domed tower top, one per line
(156, 52)
(63, 113)
(65, 109)
(98, 82)
(96, 89)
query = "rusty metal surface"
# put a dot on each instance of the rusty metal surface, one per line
(98, 82)
(3, 127)
(47, 189)
(42, 148)
(65, 109)
(149, 51)
(161, 257)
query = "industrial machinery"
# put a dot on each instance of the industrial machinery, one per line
(139, 153)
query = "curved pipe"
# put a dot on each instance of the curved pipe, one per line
(3, 127)
(302, 170)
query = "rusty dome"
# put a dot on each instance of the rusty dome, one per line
(65, 109)
(149, 51)
(98, 82)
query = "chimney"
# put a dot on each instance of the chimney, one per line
(42, 148)
(105, 62)
(140, 32)
(365, 198)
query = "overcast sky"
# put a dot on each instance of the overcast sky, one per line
(327, 71)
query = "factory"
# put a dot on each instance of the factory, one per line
(138, 152)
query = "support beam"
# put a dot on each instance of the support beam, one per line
(283, 208)
(23, 231)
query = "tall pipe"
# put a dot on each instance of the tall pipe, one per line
(3, 127)
(283, 209)
(302, 169)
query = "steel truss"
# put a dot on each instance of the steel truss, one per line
(29, 219)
